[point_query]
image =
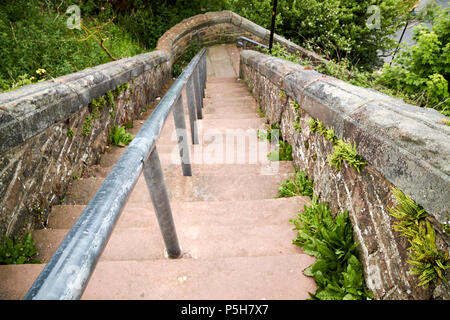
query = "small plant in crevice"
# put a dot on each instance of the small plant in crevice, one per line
(70, 132)
(345, 151)
(87, 126)
(119, 136)
(266, 134)
(39, 213)
(297, 127)
(427, 261)
(260, 113)
(284, 149)
(341, 150)
(299, 184)
(16, 251)
(283, 153)
(337, 270)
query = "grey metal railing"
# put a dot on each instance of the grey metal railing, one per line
(67, 273)
(241, 41)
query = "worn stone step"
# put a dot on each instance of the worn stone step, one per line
(230, 101)
(169, 168)
(228, 86)
(194, 188)
(197, 241)
(225, 213)
(226, 93)
(222, 80)
(235, 278)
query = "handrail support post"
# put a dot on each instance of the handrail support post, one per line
(154, 178)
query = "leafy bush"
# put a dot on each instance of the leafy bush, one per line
(299, 184)
(423, 71)
(337, 271)
(15, 251)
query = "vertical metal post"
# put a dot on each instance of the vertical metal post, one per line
(272, 27)
(198, 96)
(155, 182)
(183, 146)
(203, 73)
(192, 109)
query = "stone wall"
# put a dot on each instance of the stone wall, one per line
(50, 132)
(405, 146)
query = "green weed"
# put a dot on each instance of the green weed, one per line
(337, 270)
(15, 251)
(298, 185)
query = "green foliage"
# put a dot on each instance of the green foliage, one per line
(345, 151)
(284, 149)
(88, 121)
(423, 70)
(35, 37)
(297, 127)
(119, 136)
(260, 113)
(299, 184)
(427, 262)
(184, 60)
(336, 28)
(70, 132)
(337, 271)
(266, 134)
(15, 251)
(284, 152)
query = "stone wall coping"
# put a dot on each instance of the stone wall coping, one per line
(408, 145)
(31, 109)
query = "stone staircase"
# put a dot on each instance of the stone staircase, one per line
(236, 237)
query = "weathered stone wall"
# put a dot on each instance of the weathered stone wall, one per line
(221, 27)
(405, 146)
(41, 131)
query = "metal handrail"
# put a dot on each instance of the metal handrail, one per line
(241, 42)
(67, 273)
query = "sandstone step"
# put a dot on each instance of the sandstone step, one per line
(226, 92)
(235, 278)
(225, 213)
(247, 100)
(211, 150)
(194, 188)
(233, 115)
(228, 86)
(197, 241)
(206, 170)
(222, 80)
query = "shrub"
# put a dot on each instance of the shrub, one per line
(423, 71)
